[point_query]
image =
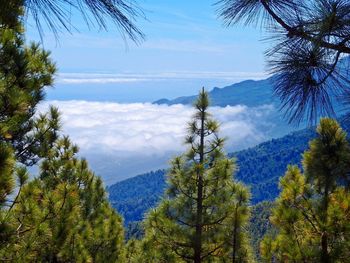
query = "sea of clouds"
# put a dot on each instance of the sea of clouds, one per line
(122, 140)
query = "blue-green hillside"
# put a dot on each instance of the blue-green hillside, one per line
(259, 167)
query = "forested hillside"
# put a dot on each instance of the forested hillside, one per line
(260, 224)
(259, 167)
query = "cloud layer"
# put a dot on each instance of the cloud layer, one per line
(124, 140)
(104, 78)
(152, 129)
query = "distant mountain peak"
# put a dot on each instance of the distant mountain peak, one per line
(215, 89)
(161, 101)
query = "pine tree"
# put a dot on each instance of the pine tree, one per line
(309, 38)
(239, 246)
(56, 14)
(202, 216)
(313, 209)
(62, 214)
(25, 72)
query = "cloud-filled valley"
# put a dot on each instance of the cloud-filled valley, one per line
(125, 139)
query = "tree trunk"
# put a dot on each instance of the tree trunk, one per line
(198, 239)
(324, 239)
(324, 243)
(234, 243)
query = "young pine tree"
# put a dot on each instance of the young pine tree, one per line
(62, 214)
(25, 71)
(312, 212)
(203, 215)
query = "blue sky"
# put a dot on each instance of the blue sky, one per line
(105, 84)
(181, 37)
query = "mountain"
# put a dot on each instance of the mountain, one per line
(259, 167)
(250, 93)
(253, 94)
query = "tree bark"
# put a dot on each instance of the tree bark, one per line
(234, 243)
(198, 239)
(325, 258)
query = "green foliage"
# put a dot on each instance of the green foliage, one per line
(260, 224)
(62, 214)
(309, 37)
(56, 14)
(134, 230)
(260, 167)
(328, 159)
(24, 73)
(9, 13)
(7, 163)
(203, 214)
(312, 211)
(238, 242)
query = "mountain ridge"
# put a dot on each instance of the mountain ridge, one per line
(234, 94)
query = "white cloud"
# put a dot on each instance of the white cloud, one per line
(98, 80)
(104, 78)
(143, 128)
(124, 140)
